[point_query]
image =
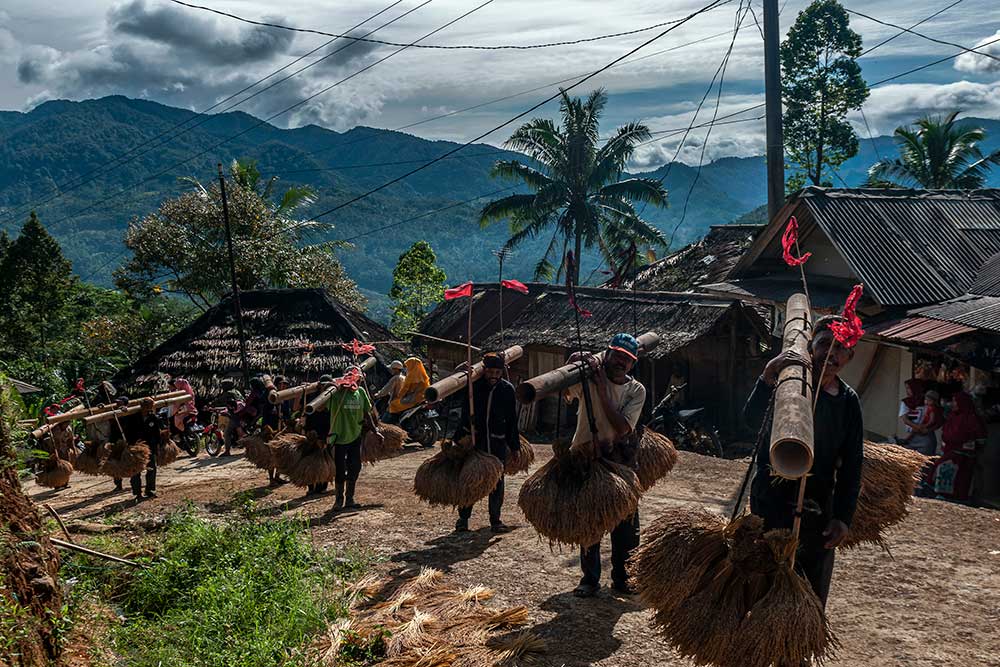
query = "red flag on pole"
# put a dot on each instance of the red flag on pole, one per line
(357, 348)
(789, 242)
(458, 292)
(515, 285)
(850, 331)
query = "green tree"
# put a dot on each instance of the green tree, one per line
(181, 248)
(936, 153)
(36, 294)
(820, 83)
(417, 284)
(576, 186)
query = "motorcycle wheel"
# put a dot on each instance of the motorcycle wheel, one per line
(191, 443)
(706, 441)
(428, 432)
(213, 443)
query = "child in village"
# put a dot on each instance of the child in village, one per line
(924, 428)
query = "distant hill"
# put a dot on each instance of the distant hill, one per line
(59, 142)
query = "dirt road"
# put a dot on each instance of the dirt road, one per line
(934, 603)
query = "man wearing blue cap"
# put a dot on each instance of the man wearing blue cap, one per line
(617, 399)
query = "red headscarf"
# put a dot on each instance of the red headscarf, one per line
(917, 388)
(963, 424)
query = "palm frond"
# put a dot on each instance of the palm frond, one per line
(646, 190)
(295, 197)
(513, 170)
(505, 207)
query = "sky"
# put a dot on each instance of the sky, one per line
(185, 57)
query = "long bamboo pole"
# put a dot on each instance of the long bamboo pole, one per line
(292, 392)
(134, 409)
(318, 404)
(791, 446)
(468, 362)
(84, 411)
(447, 386)
(90, 552)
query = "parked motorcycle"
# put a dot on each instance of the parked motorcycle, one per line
(421, 424)
(685, 427)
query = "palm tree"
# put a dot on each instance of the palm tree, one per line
(936, 154)
(575, 186)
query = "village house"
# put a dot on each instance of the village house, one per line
(707, 342)
(297, 333)
(930, 267)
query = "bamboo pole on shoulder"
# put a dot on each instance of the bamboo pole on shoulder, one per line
(791, 446)
(318, 404)
(447, 386)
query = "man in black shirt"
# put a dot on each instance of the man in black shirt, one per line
(150, 428)
(835, 479)
(496, 431)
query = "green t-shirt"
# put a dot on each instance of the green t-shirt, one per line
(347, 412)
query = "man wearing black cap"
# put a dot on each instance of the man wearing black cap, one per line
(496, 430)
(617, 400)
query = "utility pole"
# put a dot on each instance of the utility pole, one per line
(501, 255)
(237, 308)
(772, 98)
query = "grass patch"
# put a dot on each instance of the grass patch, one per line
(245, 593)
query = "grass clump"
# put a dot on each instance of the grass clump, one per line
(246, 593)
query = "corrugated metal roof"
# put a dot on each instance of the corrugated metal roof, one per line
(23, 387)
(921, 330)
(988, 280)
(909, 247)
(971, 310)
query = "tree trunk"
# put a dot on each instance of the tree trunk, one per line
(29, 568)
(576, 254)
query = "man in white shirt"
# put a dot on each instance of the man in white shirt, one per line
(616, 400)
(392, 387)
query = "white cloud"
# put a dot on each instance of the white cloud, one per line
(976, 63)
(900, 104)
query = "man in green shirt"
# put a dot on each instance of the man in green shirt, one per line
(350, 413)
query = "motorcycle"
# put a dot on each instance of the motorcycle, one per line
(420, 423)
(190, 438)
(685, 427)
(214, 434)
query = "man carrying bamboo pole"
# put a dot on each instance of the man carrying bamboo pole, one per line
(230, 399)
(495, 429)
(617, 399)
(832, 487)
(350, 414)
(151, 428)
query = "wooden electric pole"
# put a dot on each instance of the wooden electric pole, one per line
(772, 98)
(237, 308)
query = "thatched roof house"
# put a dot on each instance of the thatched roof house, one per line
(293, 332)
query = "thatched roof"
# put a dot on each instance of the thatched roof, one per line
(679, 319)
(291, 332)
(449, 319)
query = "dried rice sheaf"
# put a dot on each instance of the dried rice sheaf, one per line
(394, 437)
(521, 460)
(457, 476)
(123, 460)
(655, 457)
(889, 474)
(573, 500)
(259, 451)
(167, 453)
(305, 459)
(91, 458)
(55, 474)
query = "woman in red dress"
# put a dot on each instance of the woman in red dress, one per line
(952, 474)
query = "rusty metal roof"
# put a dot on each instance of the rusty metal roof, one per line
(920, 330)
(909, 247)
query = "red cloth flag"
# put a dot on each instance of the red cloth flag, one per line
(850, 331)
(515, 285)
(571, 288)
(458, 292)
(357, 348)
(788, 242)
(350, 380)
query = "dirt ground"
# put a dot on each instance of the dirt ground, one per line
(935, 602)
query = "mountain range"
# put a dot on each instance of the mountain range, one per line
(60, 143)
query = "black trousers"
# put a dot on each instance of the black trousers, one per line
(136, 480)
(347, 459)
(624, 538)
(815, 562)
(495, 503)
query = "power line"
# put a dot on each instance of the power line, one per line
(82, 179)
(522, 114)
(902, 32)
(869, 130)
(446, 47)
(930, 64)
(287, 109)
(965, 49)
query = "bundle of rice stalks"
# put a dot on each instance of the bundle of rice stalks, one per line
(125, 460)
(726, 594)
(167, 452)
(576, 500)
(655, 457)
(305, 459)
(394, 437)
(889, 475)
(520, 460)
(55, 474)
(91, 458)
(441, 479)
(259, 451)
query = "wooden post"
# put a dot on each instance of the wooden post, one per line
(237, 308)
(468, 361)
(91, 552)
(62, 526)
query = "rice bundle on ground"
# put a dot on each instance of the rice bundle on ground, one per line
(125, 460)
(305, 459)
(167, 452)
(259, 451)
(91, 458)
(725, 594)
(458, 475)
(394, 437)
(520, 460)
(655, 457)
(55, 473)
(889, 475)
(574, 499)
(429, 624)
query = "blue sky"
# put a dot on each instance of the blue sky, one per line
(185, 57)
